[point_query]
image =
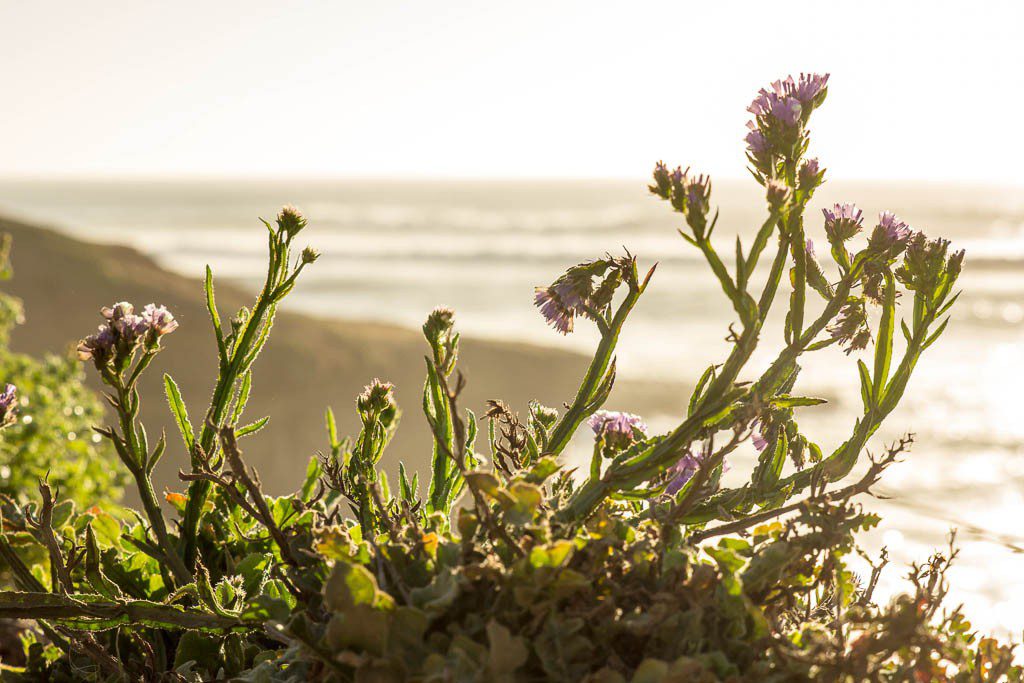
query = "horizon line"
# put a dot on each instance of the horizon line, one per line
(145, 177)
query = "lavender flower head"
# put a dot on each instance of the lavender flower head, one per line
(808, 87)
(124, 331)
(8, 405)
(559, 305)
(99, 346)
(698, 191)
(895, 229)
(810, 175)
(760, 443)
(682, 472)
(803, 91)
(159, 319)
(891, 235)
(842, 222)
(787, 111)
(618, 429)
(574, 294)
(757, 144)
(809, 247)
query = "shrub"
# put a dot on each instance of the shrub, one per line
(507, 567)
(55, 413)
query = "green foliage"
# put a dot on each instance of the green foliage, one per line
(53, 430)
(510, 567)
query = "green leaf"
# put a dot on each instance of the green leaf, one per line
(865, 385)
(883, 345)
(211, 307)
(243, 396)
(360, 628)
(786, 401)
(332, 428)
(349, 585)
(200, 648)
(507, 653)
(252, 428)
(179, 412)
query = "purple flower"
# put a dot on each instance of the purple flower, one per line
(553, 308)
(787, 110)
(8, 404)
(850, 328)
(698, 193)
(569, 296)
(842, 222)
(99, 346)
(809, 247)
(757, 145)
(682, 472)
(118, 311)
(890, 235)
(808, 87)
(810, 174)
(617, 428)
(895, 229)
(788, 102)
(760, 443)
(159, 319)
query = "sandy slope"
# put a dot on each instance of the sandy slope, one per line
(309, 363)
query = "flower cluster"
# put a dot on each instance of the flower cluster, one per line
(8, 405)
(789, 99)
(850, 328)
(928, 265)
(377, 398)
(618, 429)
(780, 113)
(124, 331)
(575, 293)
(689, 195)
(890, 235)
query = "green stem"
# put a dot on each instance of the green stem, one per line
(222, 394)
(582, 406)
(137, 466)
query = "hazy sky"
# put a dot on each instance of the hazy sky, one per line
(924, 90)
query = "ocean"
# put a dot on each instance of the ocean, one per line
(392, 250)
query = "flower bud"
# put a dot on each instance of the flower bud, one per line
(662, 181)
(290, 220)
(810, 176)
(309, 255)
(377, 401)
(777, 193)
(439, 322)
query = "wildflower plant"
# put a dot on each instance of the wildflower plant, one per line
(508, 565)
